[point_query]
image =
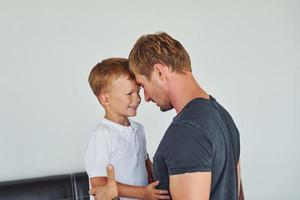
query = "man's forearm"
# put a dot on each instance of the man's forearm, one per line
(124, 190)
(131, 191)
(241, 192)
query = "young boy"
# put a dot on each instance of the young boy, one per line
(118, 140)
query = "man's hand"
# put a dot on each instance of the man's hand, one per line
(152, 193)
(108, 191)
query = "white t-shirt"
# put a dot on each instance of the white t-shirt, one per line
(123, 147)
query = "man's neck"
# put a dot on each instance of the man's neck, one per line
(183, 89)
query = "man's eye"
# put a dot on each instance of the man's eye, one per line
(129, 93)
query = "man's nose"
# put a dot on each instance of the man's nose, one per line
(146, 96)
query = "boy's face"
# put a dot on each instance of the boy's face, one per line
(124, 98)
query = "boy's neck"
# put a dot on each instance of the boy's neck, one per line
(117, 119)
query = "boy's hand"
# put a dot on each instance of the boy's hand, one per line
(152, 193)
(108, 191)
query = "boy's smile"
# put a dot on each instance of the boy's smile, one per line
(123, 100)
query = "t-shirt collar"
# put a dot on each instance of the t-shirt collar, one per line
(119, 126)
(210, 99)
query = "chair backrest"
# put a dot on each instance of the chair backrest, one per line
(59, 187)
(81, 186)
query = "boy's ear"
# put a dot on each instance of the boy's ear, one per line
(104, 99)
(160, 70)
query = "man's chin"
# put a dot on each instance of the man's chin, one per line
(165, 109)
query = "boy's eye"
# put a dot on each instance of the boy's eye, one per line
(129, 93)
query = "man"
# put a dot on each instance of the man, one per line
(198, 157)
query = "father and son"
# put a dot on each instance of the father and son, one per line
(199, 154)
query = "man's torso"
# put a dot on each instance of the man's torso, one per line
(201, 138)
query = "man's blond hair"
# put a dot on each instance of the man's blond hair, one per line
(158, 48)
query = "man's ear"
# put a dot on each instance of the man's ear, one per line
(104, 98)
(160, 70)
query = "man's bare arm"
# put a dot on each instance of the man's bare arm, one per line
(108, 191)
(139, 192)
(240, 186)
(190, 186)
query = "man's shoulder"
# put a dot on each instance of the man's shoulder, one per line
(196, 109)
(185, 127)
(201, 113)
(182, 133)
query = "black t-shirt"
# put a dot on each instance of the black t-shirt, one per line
(201, 138)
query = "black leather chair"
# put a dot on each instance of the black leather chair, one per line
(61, 187)
(81, 186)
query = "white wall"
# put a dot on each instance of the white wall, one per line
(245, 53)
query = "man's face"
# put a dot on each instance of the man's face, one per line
(155, 90)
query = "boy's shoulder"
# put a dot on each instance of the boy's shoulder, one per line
(102, 128)
(106, 128)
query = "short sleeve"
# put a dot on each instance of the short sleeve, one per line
(188, 149)
(97, 155)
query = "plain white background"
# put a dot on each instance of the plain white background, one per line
(245, 53)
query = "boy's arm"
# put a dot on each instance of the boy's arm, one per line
(149, 168)
(139, 192)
